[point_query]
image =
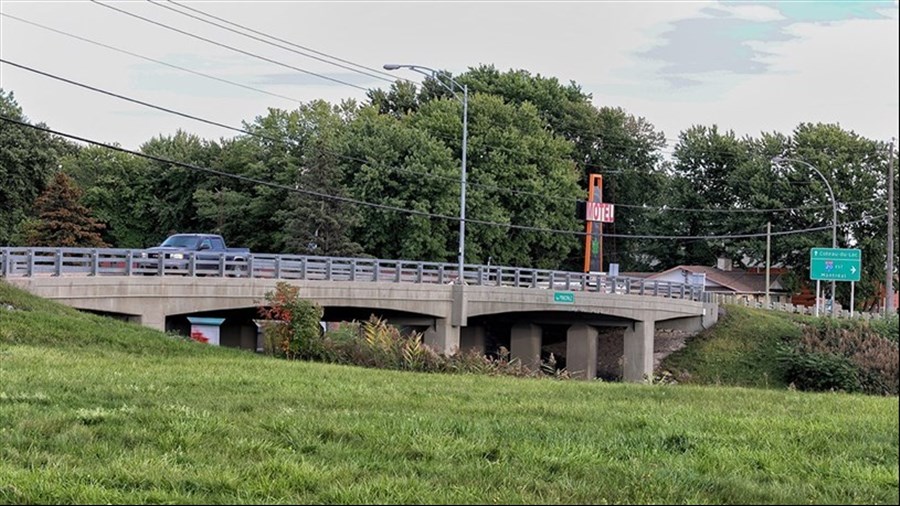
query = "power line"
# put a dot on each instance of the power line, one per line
(377, 71)
(147, 58)
(240, 51)
(84, 39)
(260, 39)
(225, 126)
(406, 210)
(740, 210)
(367, 162)
(226, 174)
(231, 48)
(242, 130)
(229, 127)
(201, 74)
(136, 101)
(741, 236)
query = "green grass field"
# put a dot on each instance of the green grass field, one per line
(97, 411)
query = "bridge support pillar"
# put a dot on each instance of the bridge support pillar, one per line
(154, 318)
(581, 351)
(710, 314)
(525, 344)
(442, 336)
(638, 366)
(472, 337)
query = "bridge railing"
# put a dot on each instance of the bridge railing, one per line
(23, 262)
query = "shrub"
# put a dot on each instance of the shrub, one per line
(293, 332)
(888, 327)
(818, 372)
(293, 329)
(848, 356)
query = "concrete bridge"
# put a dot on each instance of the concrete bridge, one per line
(519, 308)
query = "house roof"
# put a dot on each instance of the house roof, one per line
(738, 281)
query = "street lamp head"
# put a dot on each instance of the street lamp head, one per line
(391, 66)
(778, 159)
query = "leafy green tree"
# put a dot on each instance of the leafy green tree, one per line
(118, 188)
(521, 175)
(606, 140)
(28, 158)
(718, 171)
(242, 211)
(387, 162)
(62, 220)
(298, 151)
(317, 225)
(172, 205)
(707, 170)
(628, 153)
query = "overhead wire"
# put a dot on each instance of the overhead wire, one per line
(264, 41)
(368, 162)
(230, 48)
(326, 55)
(136, 101)
(502, 148)
(407, 210)
(147, 58)
(666, 151)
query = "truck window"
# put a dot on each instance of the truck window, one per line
(204, 244)
(217, 244)
(180, 241)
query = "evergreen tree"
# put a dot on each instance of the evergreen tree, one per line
(62, 220)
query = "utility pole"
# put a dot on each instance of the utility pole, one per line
(889, 282)
(768, 258)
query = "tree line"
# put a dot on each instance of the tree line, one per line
(532, 144)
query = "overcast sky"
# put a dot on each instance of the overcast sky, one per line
(748, 67)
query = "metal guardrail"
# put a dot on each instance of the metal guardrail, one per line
(27, 262)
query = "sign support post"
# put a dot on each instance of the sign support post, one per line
(593, 239)
(818, 285)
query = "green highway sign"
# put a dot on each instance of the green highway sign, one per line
(834, 264)
(564, 297)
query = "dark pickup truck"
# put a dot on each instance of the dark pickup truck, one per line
(207, 250)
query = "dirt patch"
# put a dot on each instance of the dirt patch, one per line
(666, 342)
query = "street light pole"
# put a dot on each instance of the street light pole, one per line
(889, 282)
(781, 159)
(429, 72)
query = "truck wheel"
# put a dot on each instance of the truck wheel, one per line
(238, 271)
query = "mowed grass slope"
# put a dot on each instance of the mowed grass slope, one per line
(96, 411)
(742, 349)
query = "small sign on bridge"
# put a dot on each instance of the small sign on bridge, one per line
(563, 297)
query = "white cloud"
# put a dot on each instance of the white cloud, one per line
(760, 13)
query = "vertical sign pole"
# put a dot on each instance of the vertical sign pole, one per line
(588, 235)
(852, 290)
(818, 284)
(768, 260)
(599, 197)
(594, 231)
